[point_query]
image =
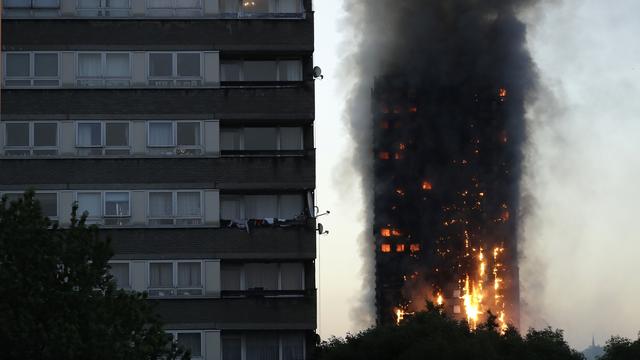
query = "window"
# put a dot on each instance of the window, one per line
(103, 69)
(263, 276)
(177, 278)
(120, 273)
(263, 346)
(182, 69)
(35, 4)
(91, 204)
(175, 208)
(110, 207)
(31, 69)
(174, 7)
(261, 70)
(191, 341)
(115, 8)
(175, 138)
(237, 207)
(35, 138)
(48, 204)
(261, 139)
(102, 138)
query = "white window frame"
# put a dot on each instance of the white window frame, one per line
(130, 280)
(103, 10)
(104, 149)
(174, 334)
(31, 77)
(104, 80)
(53, 219)
(174, 290)
(173, 10)
(174, 80)
(31, 147)
(278, 137)
(280, 334)
(277, 61)
(103, 219)
(175, 219)
(175, 148)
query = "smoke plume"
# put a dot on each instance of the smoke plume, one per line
(451, 80)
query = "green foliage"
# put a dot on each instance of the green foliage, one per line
(57, 299)
(619, 348)
(432, 335)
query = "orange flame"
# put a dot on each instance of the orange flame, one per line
(399, 247)
(385, 232)
(385, 248)
(426, 185)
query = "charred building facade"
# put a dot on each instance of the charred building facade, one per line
(184, 128)
(445, 181)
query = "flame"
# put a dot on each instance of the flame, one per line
(399, 315)
(472, 297)
(400, 247)
(426, 185)
(396, 232)
(439, 299)
(502, 92)
(413, 109)
(385, 248)
(402, 146)
(414, 248)
(385, 232)
(397, 156)
(400, 192)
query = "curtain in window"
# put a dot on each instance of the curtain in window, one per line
(262, 347)
(191, 341)
(189, 275)
(231, 348)
(160, 204)
(291, 276)
(290, 206)
(89, 134)
(291, 138)
(161, 134)
(116, 204)
(120, 272)
(90, 65)
(290, 70)
(292, 347)
(117, 65)
(189, 204)
(261, 206)
(289, 6)
(17, 134)
(230, 277)
(91, 203)
(17, 64)
(263, 276)
(161, 275)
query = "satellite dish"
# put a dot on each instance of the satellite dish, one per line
(321, 230)
(317, 73)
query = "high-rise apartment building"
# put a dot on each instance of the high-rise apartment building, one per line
(184, 128)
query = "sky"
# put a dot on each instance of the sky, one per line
(580, 246)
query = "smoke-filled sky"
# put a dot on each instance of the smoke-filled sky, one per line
(581, 172)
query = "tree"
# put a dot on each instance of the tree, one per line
(57, 298)
(433, 335)
(619, 348)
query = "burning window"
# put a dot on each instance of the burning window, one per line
(456, 309)
(400, 247)
(385, 232)
(384, 155)
(414, 248)
(397, 156)
(385, 248)
(396, 232)
(426, 186)
(413, 109)
(502, 92)
(402, 146)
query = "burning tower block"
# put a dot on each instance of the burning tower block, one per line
(446, 169)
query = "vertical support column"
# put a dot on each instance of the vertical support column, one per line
(212, 137)
(212, 68)
(212, 207)
(68, 69)
(212, 345)
(212, 281)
